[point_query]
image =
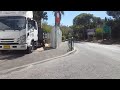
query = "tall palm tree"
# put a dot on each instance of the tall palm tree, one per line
(60, 13)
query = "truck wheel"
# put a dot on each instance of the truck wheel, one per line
(31, 48)
(35, 45)
(3, 52)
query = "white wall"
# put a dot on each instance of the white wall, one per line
(55, 37)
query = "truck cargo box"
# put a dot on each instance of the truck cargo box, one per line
(28, 14)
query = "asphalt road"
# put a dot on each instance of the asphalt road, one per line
(90, 61)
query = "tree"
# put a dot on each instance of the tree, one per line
(114, 23)
(114, 14)
(65, 31)
(97, 22)
(106, 19)
(46, 28)
(82, 19)
(39, 15)
(99, 33)
(83, 22)
(60, 13)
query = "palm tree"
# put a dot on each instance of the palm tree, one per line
(60, 13)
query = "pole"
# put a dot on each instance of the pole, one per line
(110, 33)
(83, 35)
(102, 33)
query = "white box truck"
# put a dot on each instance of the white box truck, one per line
(18, 31)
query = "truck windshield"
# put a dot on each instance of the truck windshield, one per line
(12, 23)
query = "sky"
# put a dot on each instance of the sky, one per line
(67, 18)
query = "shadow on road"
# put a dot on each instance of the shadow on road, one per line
(80, 42)
(48, 48)
(77, 41)
(110, 42)
(11, 55)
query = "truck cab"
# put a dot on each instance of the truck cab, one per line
(18, 31)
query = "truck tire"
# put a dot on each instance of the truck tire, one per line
(30, 49)
(35, 45)
(3, 52)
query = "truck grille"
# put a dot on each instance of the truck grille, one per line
(7, 39)
(9, 43)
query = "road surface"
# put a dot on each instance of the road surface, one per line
(90, 61)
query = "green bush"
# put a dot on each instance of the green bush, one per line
(99, 33)
(63, 38)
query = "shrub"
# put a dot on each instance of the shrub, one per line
(63, 38)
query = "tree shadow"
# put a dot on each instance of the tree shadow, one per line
(10, 55)
(77, 41)
(108, 42)
(48, 48)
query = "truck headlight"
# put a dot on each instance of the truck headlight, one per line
(18, 40)
(22, 39)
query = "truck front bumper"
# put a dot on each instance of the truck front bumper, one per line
(13, 47)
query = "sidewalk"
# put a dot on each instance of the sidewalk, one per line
(12, 60)
(50, 53)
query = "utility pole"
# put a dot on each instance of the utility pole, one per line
(110, 33)
(102, 35)
(84, 33)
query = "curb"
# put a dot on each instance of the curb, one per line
(24, 66)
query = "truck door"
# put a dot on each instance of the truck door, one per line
(30, 32)
(35, 31)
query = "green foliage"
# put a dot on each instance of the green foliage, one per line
(65, 30)
(99, 30)
(106, 29)
(82, 19)
(63, 38)
(99, 33)
(114, 23)
(46, 28)
(83, 22)
(114, 14)
(39, 15)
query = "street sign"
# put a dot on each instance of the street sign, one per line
(106, 29)
(90, 31)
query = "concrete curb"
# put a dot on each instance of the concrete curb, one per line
(38, 62)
